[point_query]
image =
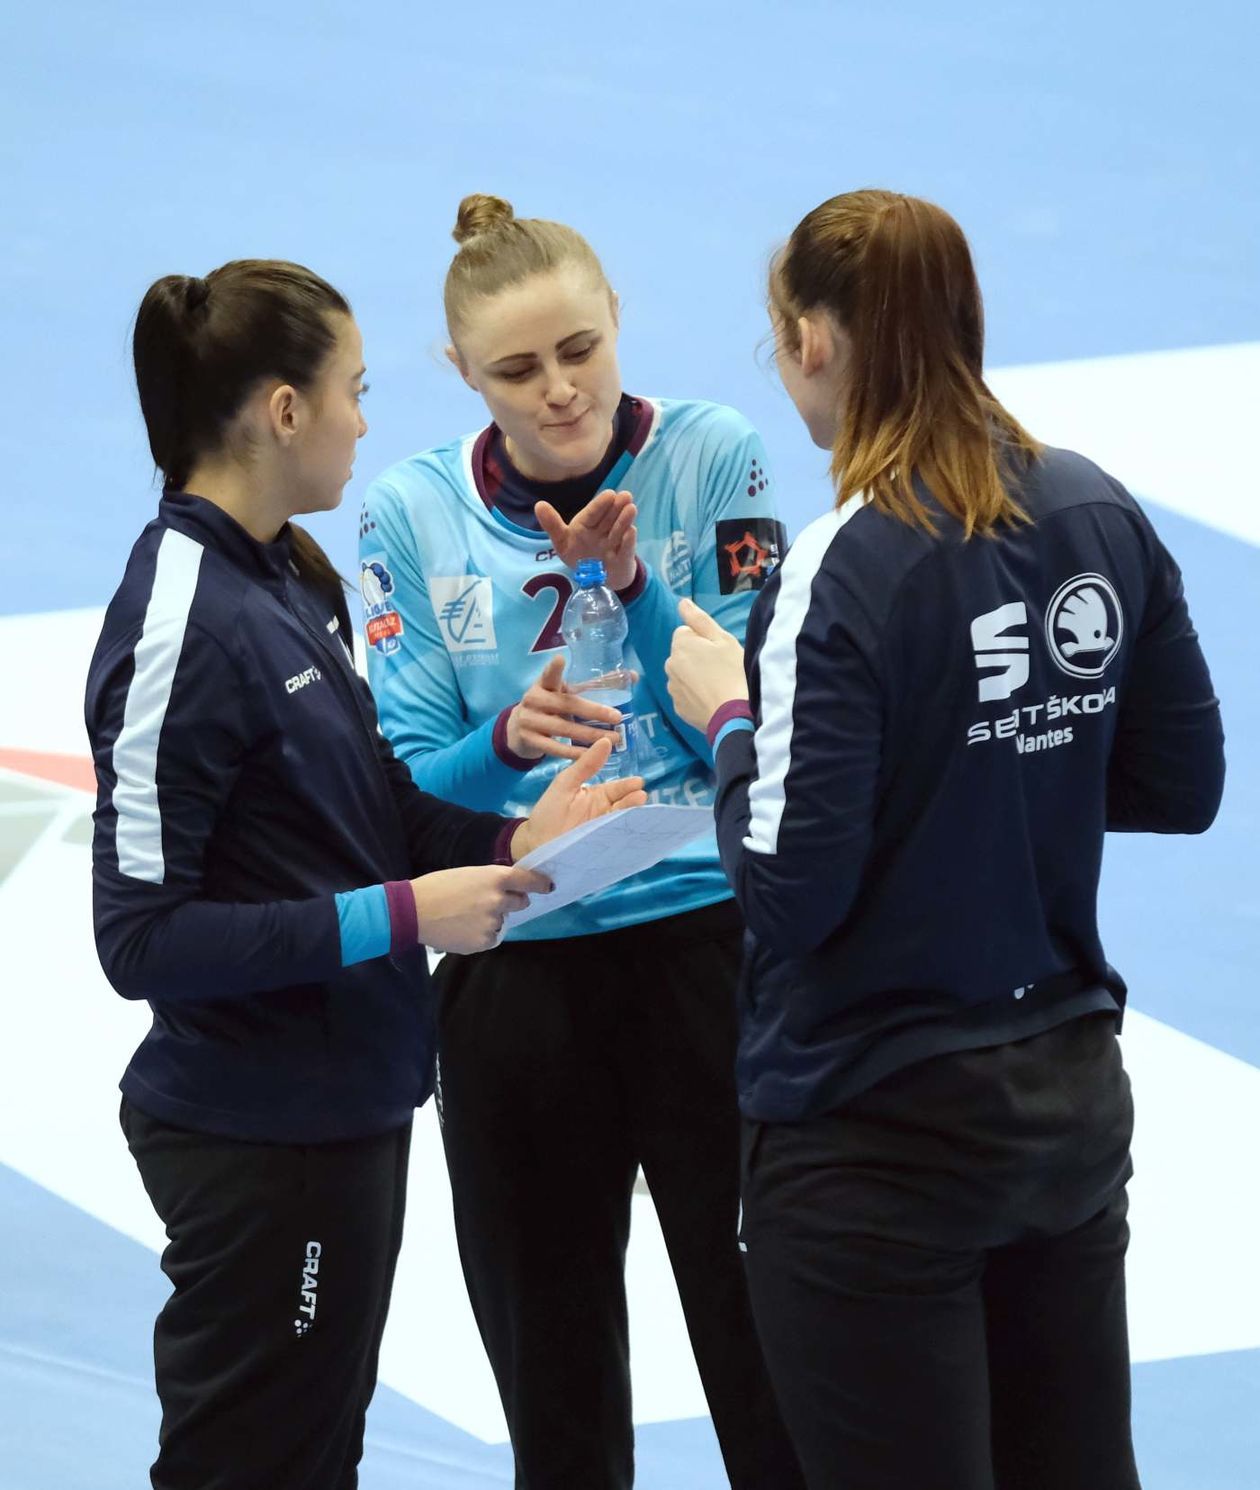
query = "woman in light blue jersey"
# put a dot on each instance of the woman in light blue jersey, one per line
(600, 1038)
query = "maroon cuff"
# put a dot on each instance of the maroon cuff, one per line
(736, 708)
(404, 926)
(503, 843)
(502, 749)
(636, 586)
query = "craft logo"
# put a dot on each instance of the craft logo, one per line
(381, 622)
(748, 553)
(310, 1289)
(464, 607)
(311, 675)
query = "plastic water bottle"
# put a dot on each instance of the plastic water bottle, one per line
(594, 625)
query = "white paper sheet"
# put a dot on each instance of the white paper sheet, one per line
(611, 848)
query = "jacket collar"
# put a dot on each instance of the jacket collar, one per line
(269, 563)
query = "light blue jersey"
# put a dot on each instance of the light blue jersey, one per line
(462, 611)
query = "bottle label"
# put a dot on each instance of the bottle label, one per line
(626, 734)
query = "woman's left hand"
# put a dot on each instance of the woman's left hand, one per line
(568, 802)
(705, 667)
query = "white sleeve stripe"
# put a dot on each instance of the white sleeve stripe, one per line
(776, 671)
(139, 831)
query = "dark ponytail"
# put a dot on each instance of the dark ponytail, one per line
(164, 349)
(202, 345)
(313, 563)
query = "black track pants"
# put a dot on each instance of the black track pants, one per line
(937, 1272)
(281, 1259)
(564, 1066)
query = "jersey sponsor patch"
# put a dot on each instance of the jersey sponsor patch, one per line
(382, 624)
(676, 562)
(464, 607)
(748, 552)
(1084, 625)
(1001, 650)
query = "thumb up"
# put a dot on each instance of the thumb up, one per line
(705, 668)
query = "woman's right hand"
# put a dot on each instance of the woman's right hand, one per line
(548, 720)
(462, 910)
(604, 530)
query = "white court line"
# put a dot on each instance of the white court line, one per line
(1194, 1217)
(1170, 425)
(66, 1036)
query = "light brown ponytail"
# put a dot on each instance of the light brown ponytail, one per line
(896, 273)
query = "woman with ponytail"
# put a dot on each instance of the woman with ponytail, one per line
(600, 1038)
(266, 875)
(965, 673)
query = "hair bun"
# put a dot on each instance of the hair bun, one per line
(196, 293)
(480, 214)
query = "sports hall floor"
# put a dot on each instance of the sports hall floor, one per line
(1103, 158)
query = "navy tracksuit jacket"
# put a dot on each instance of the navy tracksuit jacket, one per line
(944, 733)
(243, 786)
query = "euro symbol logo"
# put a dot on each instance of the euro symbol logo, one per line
(464, 607)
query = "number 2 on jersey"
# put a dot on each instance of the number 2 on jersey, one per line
(550, 637)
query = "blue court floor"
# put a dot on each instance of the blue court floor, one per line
(1103, 159)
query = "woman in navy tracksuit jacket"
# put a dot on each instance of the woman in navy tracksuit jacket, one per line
(266, 875)
(958, 681)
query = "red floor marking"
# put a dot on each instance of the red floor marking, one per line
(65, 770)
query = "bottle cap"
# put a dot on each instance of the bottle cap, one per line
(590, 572)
